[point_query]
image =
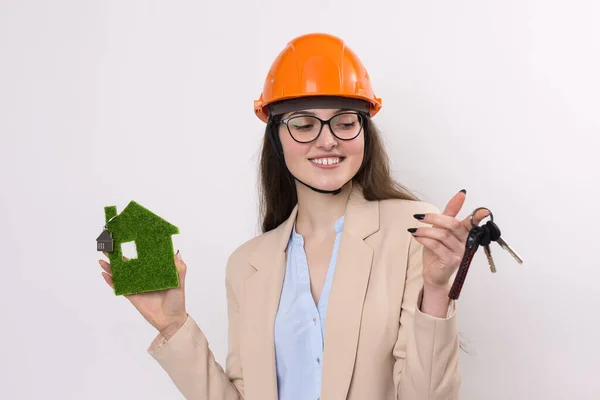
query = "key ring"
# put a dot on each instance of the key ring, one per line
(481, 208)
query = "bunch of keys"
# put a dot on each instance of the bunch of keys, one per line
(480, 236)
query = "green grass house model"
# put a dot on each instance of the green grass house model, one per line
(154, 267)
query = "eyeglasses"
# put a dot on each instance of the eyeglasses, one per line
(306, 128)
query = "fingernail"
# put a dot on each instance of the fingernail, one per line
(178, 255)
(419, 216)
(412, 230)
(464, 191)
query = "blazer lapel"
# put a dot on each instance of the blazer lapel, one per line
(347, 296)
(262, 291)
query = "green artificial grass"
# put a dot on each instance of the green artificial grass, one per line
(154, 268)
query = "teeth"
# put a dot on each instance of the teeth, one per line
(326, 161)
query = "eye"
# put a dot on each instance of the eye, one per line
(347, 125)
(302, 124)
(346, 121)
(302, 127)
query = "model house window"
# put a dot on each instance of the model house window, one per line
(129, 250)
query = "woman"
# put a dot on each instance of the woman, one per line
(335, 299)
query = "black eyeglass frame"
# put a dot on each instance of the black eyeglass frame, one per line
(360, 115)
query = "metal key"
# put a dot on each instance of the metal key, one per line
(496, 238)
(488, 254)
(485, 241)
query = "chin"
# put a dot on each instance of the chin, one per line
(327, 178)
(328, 184)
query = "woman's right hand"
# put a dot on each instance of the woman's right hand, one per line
(163, 309)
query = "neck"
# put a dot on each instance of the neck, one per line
(318, 212)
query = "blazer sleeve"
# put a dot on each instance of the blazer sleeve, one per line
(190, 363)
(426, 351)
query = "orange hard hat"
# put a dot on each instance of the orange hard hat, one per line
(316, 64)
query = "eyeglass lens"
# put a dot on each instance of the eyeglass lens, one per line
(305, 128)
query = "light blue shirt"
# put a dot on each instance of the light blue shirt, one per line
(300, 324)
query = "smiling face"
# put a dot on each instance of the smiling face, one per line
(328, 162)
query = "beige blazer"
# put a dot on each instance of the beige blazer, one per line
(378, 344)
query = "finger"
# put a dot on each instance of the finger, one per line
(455, 204)
(108, 279)
(181, 267)
(453, 225)
(440, 250)
(479, 215)
(105, 266)
(477, 218)
(444, 236)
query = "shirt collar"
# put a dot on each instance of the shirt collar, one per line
(299, 240)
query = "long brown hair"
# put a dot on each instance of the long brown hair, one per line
(277, 188)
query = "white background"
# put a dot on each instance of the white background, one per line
(110, 101)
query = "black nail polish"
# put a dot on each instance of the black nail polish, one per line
(419, 216)
(412, 230)
(464, 191)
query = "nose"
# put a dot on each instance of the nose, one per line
(326, 140)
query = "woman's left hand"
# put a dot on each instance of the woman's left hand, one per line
(444, 242)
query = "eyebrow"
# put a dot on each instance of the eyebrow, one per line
(313, 114)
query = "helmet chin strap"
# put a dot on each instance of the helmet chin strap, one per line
(332, 192)
(274, 139)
